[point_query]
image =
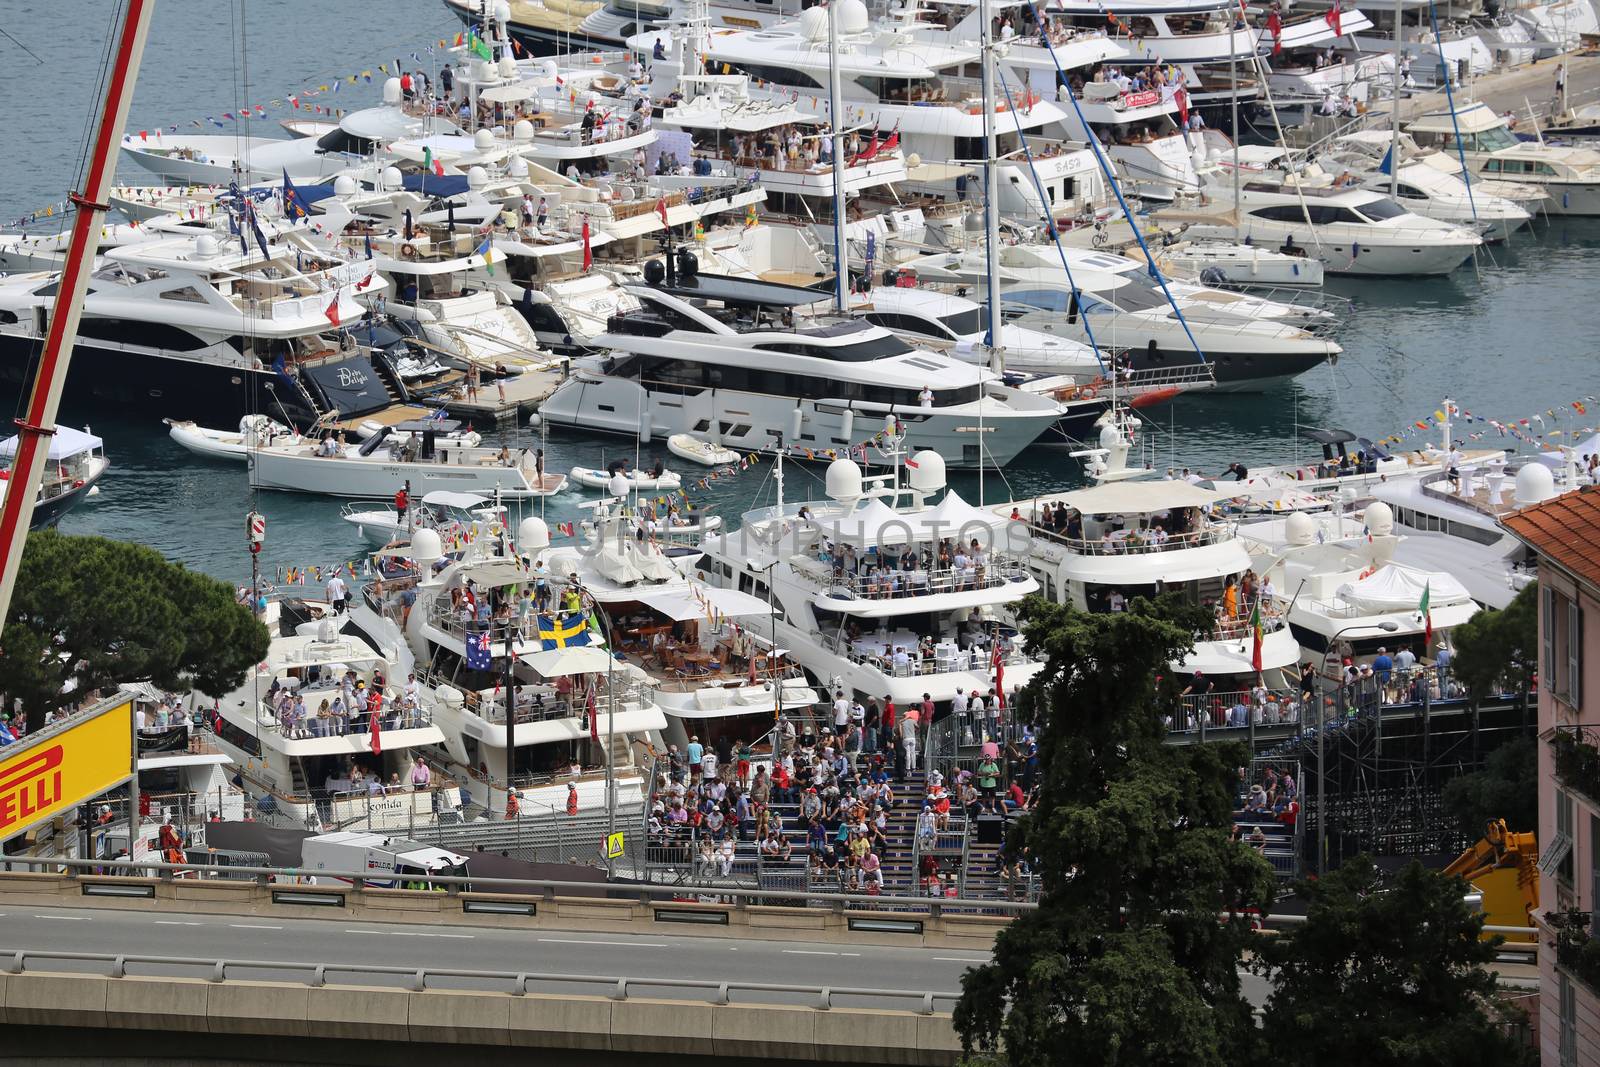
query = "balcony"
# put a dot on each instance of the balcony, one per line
(1576, 750)
(1577, 949)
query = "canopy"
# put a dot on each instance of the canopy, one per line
(573, 659)
(449, 498)
(507, 94)
(63, 443)
(681, 603)
(953, 516)
(1140, 498)
(875, 523)
(1395, 587)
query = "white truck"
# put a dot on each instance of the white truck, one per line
(389, 862)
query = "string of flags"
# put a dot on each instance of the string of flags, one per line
(857, 452)
(1534, 429)
(302, 575)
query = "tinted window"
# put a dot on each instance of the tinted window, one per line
(1380, 210)
(144, 334)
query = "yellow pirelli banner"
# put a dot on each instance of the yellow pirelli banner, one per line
(65, 769)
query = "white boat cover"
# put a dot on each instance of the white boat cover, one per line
(1395, 587)
(1139, 498)
(874, 523)
(63, 443)
(449, 498)
(683, 602)
(953, 516)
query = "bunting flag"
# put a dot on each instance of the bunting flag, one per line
(1425, 609)
(480, 48)
(588, 256)
(486, 250)
(1332, 19)
(1275, 27)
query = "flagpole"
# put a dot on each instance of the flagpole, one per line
(510, 704)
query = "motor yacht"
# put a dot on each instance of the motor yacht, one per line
(1432, 191)
(748, 357)
(448, 513)
(73, 464)
(540, 27)
(876, 589)
(1570, 177)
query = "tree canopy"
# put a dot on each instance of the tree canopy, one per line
(1126, 960)
(90, 612)
(1385, 973)
(1506, 788)
(1499, 646)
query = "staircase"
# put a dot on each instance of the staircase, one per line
(900, 858)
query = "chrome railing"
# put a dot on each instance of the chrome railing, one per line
(966, 659)
(1135, 543)
(886, 583)
(394, 716)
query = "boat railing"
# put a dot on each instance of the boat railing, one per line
(945, 659)
(1218, 710)
(291, 727)
(1229, 629)
(892, 583)
(1135, 542)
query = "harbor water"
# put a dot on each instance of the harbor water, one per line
(1509, 339)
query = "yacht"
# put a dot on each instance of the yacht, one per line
(874, 590)
(316, 770)
(1570, 177)
(1098, 548)
(73, 465)
(1112, 302)
(1431, 191)
(540, 27)
(199, 329)
(1350, 230)
(744, 355)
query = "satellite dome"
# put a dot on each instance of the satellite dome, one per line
(548, 68)
(913, 161)
(1299, 529)
(483, 140)
(448, 695)
(391, 91)
(1535, 482)
(814, 23)
(518, 167)
(928, 474)
(522, 130)
(533, 534)
(477, 177)
(853, 16)
(205, 245)
(507, 67)
(425, 547)
(843, 479)
(344, 185)
(502, 12)
(392, 178)
(1379, 519)
(563, 563)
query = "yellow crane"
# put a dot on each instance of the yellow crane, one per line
(1504, 868)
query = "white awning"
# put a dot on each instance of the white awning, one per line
(63, 443)
(575, 659)
(507, 94)
(932, 173)
(681, 603)
(1139, 498)
(451, 499)
(953, 517)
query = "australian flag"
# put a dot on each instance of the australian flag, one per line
(478, 657)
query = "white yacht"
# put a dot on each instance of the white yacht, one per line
(198, 328)
(74, 462)
(876, 591)
(1112, 302)
(742, 354)
(297, 758)
(1570, 177)
(1351, 230)
(1431, 191)
(1100, 547)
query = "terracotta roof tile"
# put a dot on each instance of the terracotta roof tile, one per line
(1565, 529)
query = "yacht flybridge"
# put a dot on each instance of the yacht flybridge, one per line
(1570, 177)
(749, 364)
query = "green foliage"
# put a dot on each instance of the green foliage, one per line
(1386, 973)
(1578, 952)
(1125, 961)
(1577, 760)
(1499, 646)
(1507, 788)
(90, 612)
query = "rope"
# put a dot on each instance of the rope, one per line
(1455, 124)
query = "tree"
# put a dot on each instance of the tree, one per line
(1507, 788)
(1128, 959)
(1495, 647)
(89, 613)
(1382, 974)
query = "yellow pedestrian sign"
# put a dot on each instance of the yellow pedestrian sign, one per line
(614, 845)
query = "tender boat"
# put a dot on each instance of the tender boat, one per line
(707, 453)
(73, 465)
(635, 480)
(448, 513)
(228, 444)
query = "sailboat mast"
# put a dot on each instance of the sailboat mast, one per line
(1394, 111)
(841, 269)
(38, 422)
(991, 205)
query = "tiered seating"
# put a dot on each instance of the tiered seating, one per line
(1279, 847)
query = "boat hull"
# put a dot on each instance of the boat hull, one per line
(299, 472)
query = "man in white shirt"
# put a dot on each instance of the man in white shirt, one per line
(841, 711)
(337, 592)
(925, 398)
(902, 662)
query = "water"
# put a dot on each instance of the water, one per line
(1513, 341)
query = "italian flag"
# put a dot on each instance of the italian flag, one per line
(1427, 614)
(1256, 634)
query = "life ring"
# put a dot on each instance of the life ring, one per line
(1088, 392)
(408, 251)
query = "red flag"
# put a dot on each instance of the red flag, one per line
(588, 257)
(374, 707)
(144, 135)
(333, 310)
(891, 142)
(1275, 27)
(661, 209)
(1182, 97)
(1332, 19)
(364, 282)
(999, 673)
(594, 716)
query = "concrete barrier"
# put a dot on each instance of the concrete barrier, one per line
(470, 1018)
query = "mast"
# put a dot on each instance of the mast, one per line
(841, 269)
(38, 421)
(1233, 107)
(1394, 112)
(991, 205)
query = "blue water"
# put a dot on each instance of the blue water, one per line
(1508, 341)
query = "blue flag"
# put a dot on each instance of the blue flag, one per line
(294, 205)
(573, 629)
(1387, 166)
(478, 657)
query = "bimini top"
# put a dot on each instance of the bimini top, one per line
(63, 443)
(741, 292)
(1329, 437)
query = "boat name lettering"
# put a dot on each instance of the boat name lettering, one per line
(349, 376)
(1145, 99)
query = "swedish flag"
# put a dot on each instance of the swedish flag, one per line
(572, 629)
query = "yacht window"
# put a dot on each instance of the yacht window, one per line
(1280, 213)
(777, 75)
(964, 322)
(1411, 192)
(1496, 140)
(904, 90)
(188, 294)
(1382, 210)
(860, 352)
(1543, 168)
(143, 334)
(906, 323)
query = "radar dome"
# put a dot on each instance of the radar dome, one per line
(392, 178)
(548, 68)
(1298, 528)
(391, 91)
(522, 130)
(425, 547)
(844, 476)
(1110, 436)
(1535, 482)
(483, 140)
(518, 167)
(477, 177)
(852, 16)
(344, 185)
(327, 631)
(928, 474)
(502, 12)
(814, 23)
(507, 67)
(562, 563)
(448, 695)
(913, 161)
(205, 245)
(1379, 519)
(533, 534)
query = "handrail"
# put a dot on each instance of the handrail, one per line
(16, 961)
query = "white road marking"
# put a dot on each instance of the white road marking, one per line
(171, 922)
(958, 959)
(806, 952)
(68, 918)
(253, 926)
(618, 944)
